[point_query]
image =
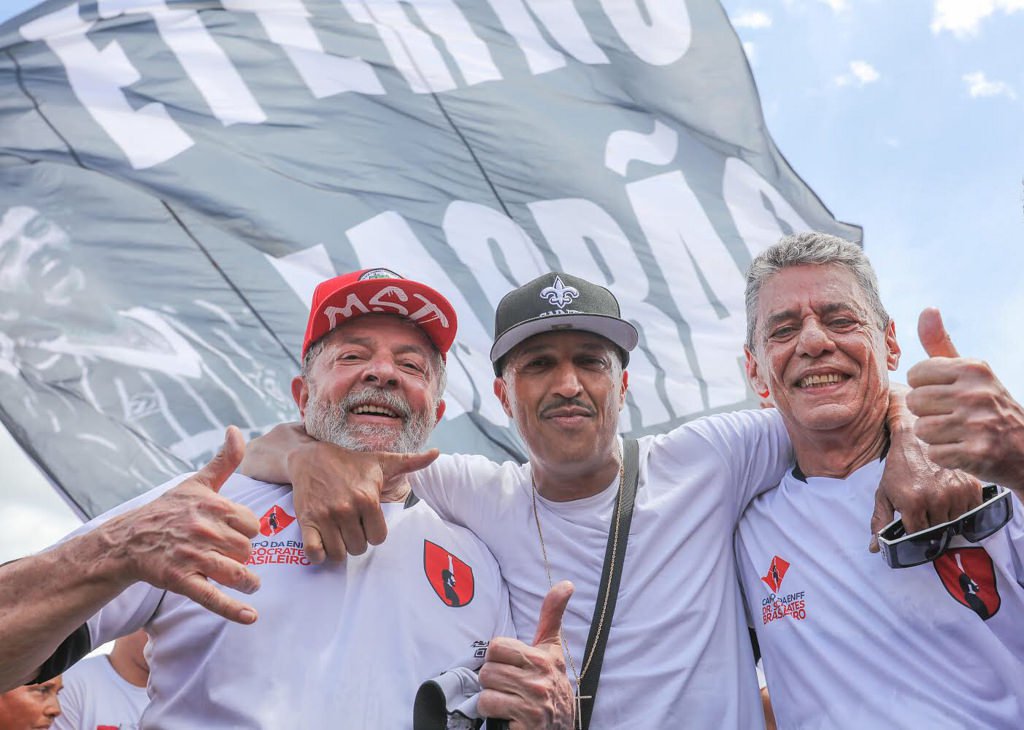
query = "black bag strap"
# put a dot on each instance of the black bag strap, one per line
(611, 575)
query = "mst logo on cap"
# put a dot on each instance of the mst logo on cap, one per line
(554, 302)
(380, 291)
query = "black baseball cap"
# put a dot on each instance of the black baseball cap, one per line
(557, 302)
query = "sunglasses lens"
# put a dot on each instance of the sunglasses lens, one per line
(916, 550)
(904, 551)
(988, 520)
(933, 547)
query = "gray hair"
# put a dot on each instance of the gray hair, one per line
(438, 371)
(812, 248)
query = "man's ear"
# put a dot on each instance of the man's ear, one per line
(892, 359)
(501, 390)
(300, 393)
(440, 410)
(622, 390)
(753, 373)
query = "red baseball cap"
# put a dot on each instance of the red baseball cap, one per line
(380, 291)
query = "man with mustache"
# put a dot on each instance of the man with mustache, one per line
(677, 652)
(336, 646)
(847, 641)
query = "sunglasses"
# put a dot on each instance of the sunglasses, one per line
(901, 550)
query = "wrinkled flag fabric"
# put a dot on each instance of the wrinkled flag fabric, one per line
(176, 177)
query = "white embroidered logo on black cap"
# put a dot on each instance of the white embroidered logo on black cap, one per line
(559, 294)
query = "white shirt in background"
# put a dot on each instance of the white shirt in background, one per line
(96, 696)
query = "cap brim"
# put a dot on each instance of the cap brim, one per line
(619, 331)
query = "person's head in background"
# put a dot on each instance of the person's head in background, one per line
(31, 707)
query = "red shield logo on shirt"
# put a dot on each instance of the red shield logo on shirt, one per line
(776, 572)
(275, 520)
(451, 579)
(970, 578)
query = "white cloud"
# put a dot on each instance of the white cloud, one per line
(892, 142)
(838, 6)
(751, 50)
(978, 86)
(861, 73)
(752, 19)
(963, 17)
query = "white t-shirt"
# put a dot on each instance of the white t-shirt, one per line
(678, 654)
(336, 645)
(848, 642)
(96, 696)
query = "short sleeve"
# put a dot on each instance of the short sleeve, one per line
(752, 447)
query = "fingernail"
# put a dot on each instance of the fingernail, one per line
(247, 615)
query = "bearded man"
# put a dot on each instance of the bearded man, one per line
(345, 645)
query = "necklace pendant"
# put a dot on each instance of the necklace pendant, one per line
(579, 709)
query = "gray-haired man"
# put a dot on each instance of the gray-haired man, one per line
(847, 641)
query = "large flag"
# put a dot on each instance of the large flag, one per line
(175, 178)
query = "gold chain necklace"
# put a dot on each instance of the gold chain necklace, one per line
(578, 676)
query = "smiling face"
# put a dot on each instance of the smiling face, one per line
(373, 386)
(31, 707)
(564, 390)
(821, 352)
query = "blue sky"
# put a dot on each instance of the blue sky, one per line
(904, 117)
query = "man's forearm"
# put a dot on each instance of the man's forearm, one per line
(188, 540)
(45, 597)
(266, 457)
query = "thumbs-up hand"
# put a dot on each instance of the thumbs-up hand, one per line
(526, 684)
(191, 536)
(932, 333)
(964, 413)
